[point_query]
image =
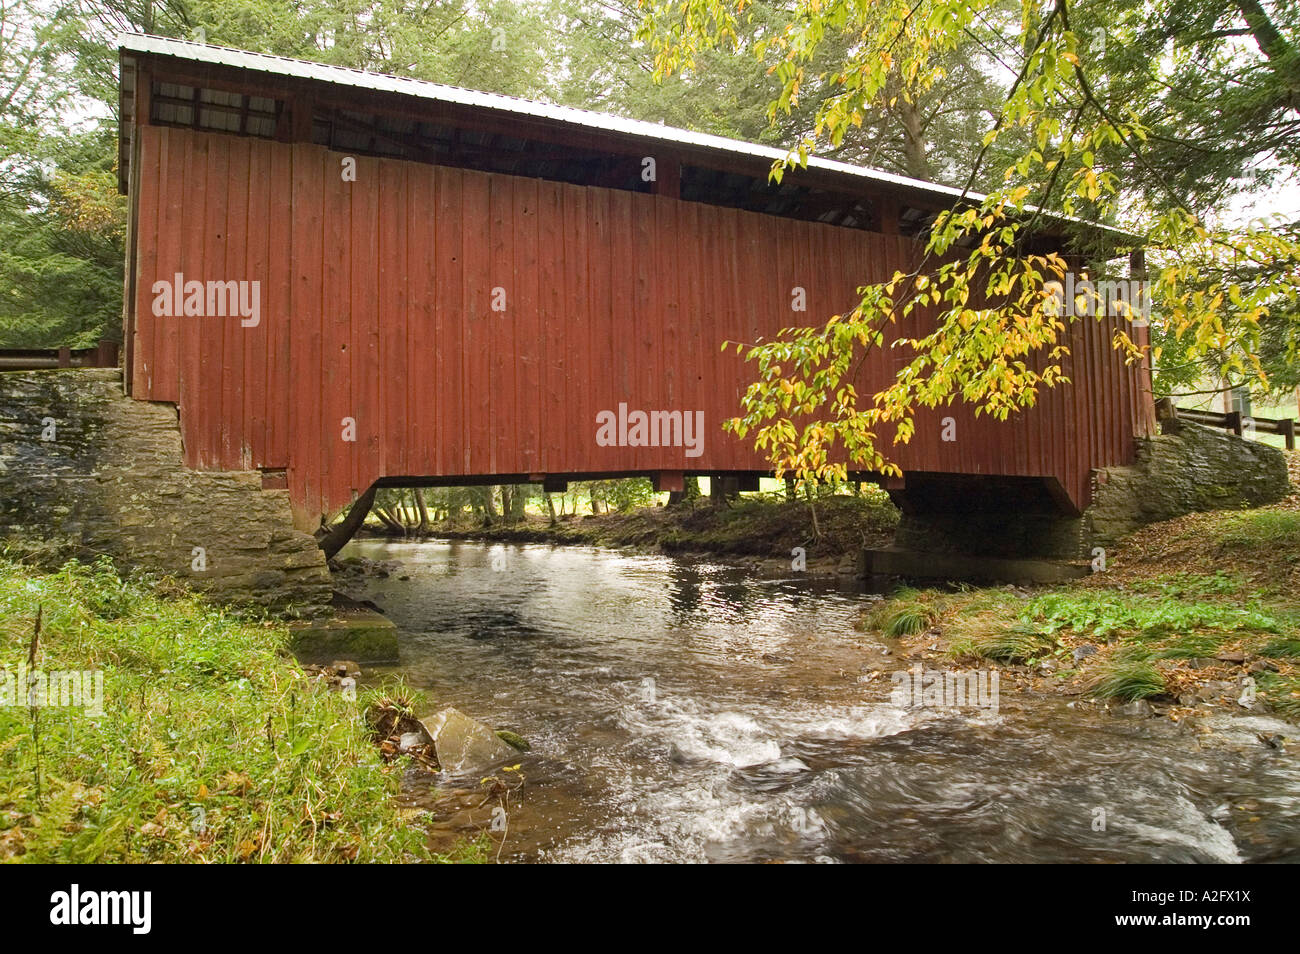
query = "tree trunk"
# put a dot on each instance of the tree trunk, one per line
(334, 539)
(722, 489)
(518, 504)
(918, 164)
(812, 508)
(487, 497)
(424, 511)
(550, 508)
(390, 520)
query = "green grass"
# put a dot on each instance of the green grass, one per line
(906, 620)
(1260, 529)
(1103, 615)
(1193, 585)
(211, 747)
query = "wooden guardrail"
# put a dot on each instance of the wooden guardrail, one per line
(105, 355)
(1233, 421)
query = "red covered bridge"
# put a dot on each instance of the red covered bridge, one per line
(343, 278)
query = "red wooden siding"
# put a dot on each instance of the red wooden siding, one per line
(376, 306)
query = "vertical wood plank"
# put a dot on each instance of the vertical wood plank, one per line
(622, 326)
(506, 349)
(532, 336)
(154, 187)
(211, 337)
(478, 283)
(365, 368)
(190, 259)
(600, 310)
(421, 346)
(306, 419)
(255, 413)
(449, 321)
(228, 326)
(281, 354)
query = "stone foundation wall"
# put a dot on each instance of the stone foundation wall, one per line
(85, 470)
(1188, 468)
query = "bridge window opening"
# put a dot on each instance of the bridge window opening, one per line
(755, 194)
(482, 150)
(173, 104)
(915, 223)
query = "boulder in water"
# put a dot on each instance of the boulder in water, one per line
(464, 744)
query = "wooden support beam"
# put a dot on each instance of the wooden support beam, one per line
(143, 97)
(300, 111)
(889, 213)
(275, 478)
(668, 480)
(1286, 427)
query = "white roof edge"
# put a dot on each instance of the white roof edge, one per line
(424, 89)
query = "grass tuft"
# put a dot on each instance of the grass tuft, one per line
(908, 619)
(1128, 676)
(1284, 647)
(1282, 693)
(1017, 644)
(1192, 646)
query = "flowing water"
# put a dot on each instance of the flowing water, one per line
(684, 710)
